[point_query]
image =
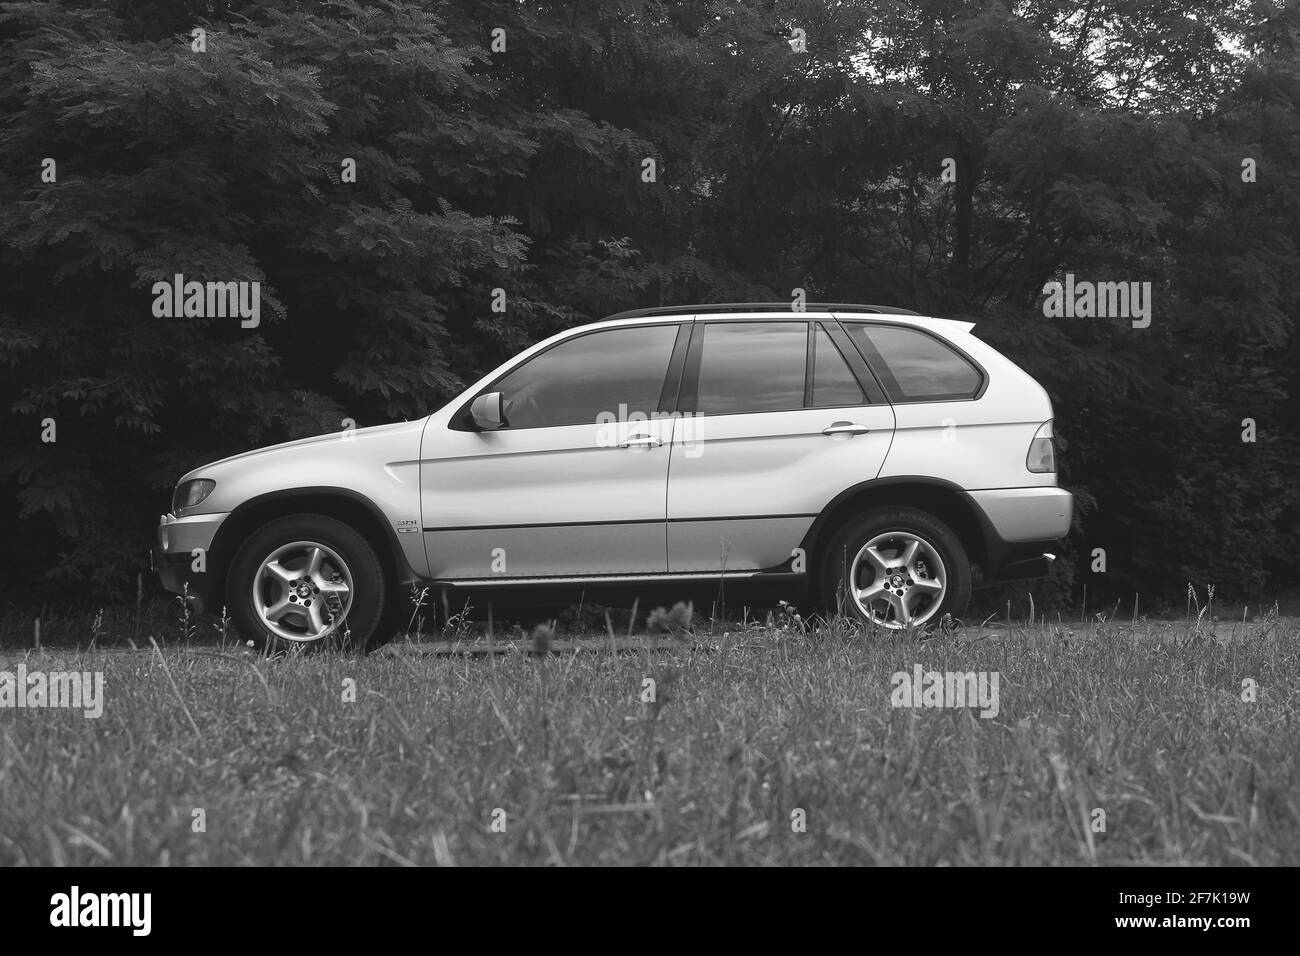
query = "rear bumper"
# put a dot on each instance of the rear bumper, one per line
(1027, 514)
(1020, 564)
(1016, 562)
(1022, 530)
(180, 556)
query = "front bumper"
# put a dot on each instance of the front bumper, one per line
(180, 555)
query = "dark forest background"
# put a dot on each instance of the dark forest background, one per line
(1105, 139)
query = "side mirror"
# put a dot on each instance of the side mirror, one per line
(486, 411)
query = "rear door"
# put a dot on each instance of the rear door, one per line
(778, 417)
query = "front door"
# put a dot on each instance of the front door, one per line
(575, 483)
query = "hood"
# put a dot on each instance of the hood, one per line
(393, 431)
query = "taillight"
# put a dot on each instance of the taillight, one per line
(1042, 453)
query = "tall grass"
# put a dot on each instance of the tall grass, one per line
(1143, 721)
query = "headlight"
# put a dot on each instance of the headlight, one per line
(190, 493)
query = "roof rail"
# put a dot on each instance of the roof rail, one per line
(786, 307)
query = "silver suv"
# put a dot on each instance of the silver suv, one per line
(871, 456)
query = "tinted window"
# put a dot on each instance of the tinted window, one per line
(833, 381)
(752, 367)
(573, 382)
(913, 366)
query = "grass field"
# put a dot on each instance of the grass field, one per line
(1143, 721)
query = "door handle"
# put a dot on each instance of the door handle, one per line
(845, 428)
(641, 441)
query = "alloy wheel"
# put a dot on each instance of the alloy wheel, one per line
(898, 580)
(302, 591)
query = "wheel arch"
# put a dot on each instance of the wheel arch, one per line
(945, 500)
(342, 504)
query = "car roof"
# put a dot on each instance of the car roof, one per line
(782, 311)
(749, 308)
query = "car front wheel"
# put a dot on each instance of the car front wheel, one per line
(897, 567)
(308, 581)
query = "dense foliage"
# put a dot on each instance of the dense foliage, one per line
(1104, 138)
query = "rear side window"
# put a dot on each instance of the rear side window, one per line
(914, 366)
(751, 367)
(833, 380)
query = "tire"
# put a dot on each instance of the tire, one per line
(276, 601)
(937, 582)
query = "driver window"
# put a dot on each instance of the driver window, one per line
(574, 382)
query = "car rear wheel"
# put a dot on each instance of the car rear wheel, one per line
(897, 568)
(307, 581)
